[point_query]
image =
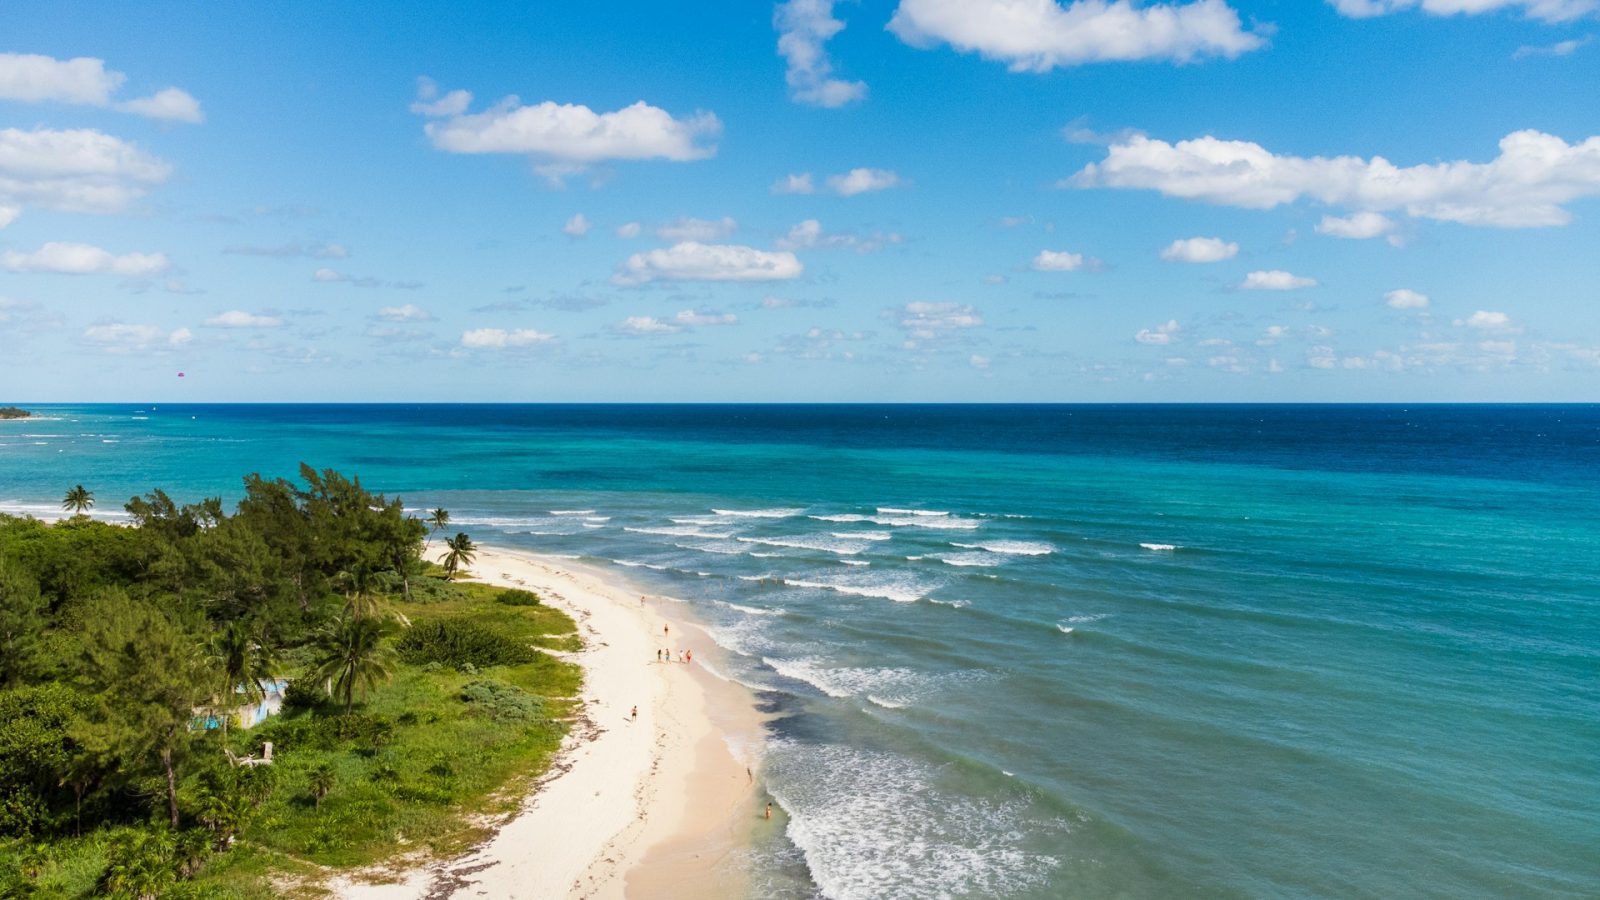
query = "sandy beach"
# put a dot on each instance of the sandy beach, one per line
(654, 807)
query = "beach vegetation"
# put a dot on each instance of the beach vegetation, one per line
(406, 724)
(78, 500)
(517, 597)
(459, 551)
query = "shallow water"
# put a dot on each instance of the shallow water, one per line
(1050, 652)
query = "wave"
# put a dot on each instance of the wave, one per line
(912, 521)
(886, 592)
(592, 525)
(597, 518)
(853, 562)
(571, 512)
(958, 604)
(760, 513)
(724, 550)
(755, 610)
(1083, 620)
(699, 520)
(1064, 629)
(980, 560)
(800, 542)
(891, 511)
(642, 565)
(1159, 547)
(862, 535)
(677, 531)
(887, 704)
(1012, 548)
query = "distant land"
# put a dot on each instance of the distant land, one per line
(12, 412)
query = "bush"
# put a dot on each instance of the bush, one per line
(459, 643)
(504, 702)
(304, 693)
(517, 597)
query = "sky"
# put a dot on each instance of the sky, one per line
(883, 200)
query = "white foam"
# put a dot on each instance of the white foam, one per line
(641, 565)
(1012, 548)
(571, 512)
(677, 531)
(1159, 547)
(887, 704)
(886, 591)
(980, 559)
(891, 511)
(1084, 620)
(1064, 629)
(945, 521)
(853, 562)
(593, 525)
(819, 543)
(958, 604)
(862, 535)
(724, 549)
(753, 610)
(597, 518)
(760, 513)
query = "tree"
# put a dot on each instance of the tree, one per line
(438, 519)
(461, 552)
(22, 623)
(78, 501)
(151, 674)
(322, 780)
(353, 656)
(245, 666)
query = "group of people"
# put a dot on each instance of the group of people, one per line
(665, 655)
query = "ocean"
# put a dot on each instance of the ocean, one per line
(1047, 651)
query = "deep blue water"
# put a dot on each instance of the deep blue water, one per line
(1077, 651)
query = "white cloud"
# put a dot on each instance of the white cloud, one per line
(577, 226)
(8, 214)
(1276, 280)
(688, 229)
(407, 313)
(692, 318)
(645, 325)
(694, 261)
(1485, 320)
(123, 337)
(927, 321)
(1200, 250)
(978, 362)
(500, 338)
(629, 230)
(810, 235)
(82, 259)
(168, 104)
(1357, 226)
(1526, 186)
(1405, 298)
(571, 136)
(861, 181)
(1040, 35)
(238, 318)
(1546, 10)
(81, 170)
(312, 249)
(430, 103)
(804, 26)
(328, 276)
(795, 183)
(85, 81)
(1559, 48)
(1161, 335)
(1057, 261)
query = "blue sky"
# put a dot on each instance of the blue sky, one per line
(941, 200)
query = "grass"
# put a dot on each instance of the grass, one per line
(418, 770)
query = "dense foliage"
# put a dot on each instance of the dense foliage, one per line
(122, 646)
(13, 412)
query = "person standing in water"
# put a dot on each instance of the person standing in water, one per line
(769, 809)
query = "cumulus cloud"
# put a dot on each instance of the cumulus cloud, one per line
(810, 235)
(1357, 226)
(1485, 320)
(629, 230)
(85, 81)
(1405, 298)
(82, 259)
(1200, 250)
(577, 226)
(1526, 186)
(695, 261)
(689, 229)
(407, 313)
(693, 317)
(1040, 35)
(238, 318)
(804, 26)
(309, 249)
(1545, 10)
(862, 181)
(79, 170)
(567, 137)
(646, 325)
(928, 321)
(431, 103)
(1057, 261)
(978, 361)
(1161, 335)
(794, 183)
(123, 337)
(501, 338)
(1275, 280)
(643, 326)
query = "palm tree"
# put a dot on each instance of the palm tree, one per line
(437, 520)
(353, 656)
(246, 666)
(321, 782)
(360, 600)
(461, 553)
(78, 501)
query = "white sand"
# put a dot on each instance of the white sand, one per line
(657, 807)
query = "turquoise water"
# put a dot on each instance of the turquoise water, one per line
(1050, 652)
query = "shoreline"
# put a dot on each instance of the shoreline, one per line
(651, 808)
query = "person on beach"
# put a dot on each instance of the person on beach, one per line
(680, 656)
(769, 809)
(636, 713)
(665, 629)
(658, 654)
(689, 655)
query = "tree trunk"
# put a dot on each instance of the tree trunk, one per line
(172, 786)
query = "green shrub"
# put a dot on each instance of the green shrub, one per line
(304, 693)
(517, 597)
(459, 643)
(503, 702)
